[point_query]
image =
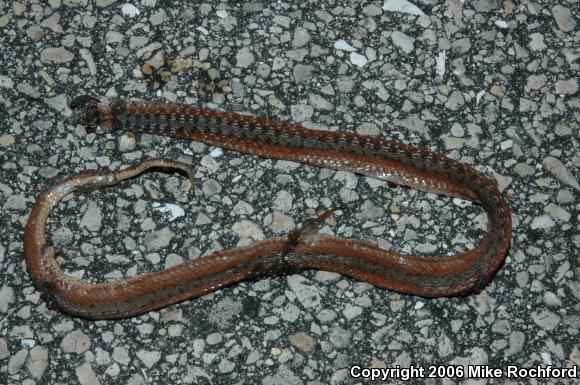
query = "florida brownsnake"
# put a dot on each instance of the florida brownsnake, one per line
(371, 156)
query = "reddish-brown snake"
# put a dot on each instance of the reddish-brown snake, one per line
(371, 156)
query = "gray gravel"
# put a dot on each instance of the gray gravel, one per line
(491, 83)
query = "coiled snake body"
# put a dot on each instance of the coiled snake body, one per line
(374, 157)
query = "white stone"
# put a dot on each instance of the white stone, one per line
(478, 97)
(440, 60)
(506, 144)
(501, 23)
(203, 30)
(173, 210)
(358, 60)
(130, 10)
(343, 46)
(402, 6)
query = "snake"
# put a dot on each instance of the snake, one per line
(418, 168)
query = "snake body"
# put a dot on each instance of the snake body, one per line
(391, 161)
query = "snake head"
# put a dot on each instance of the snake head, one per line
(85, 110)
(96, 114)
